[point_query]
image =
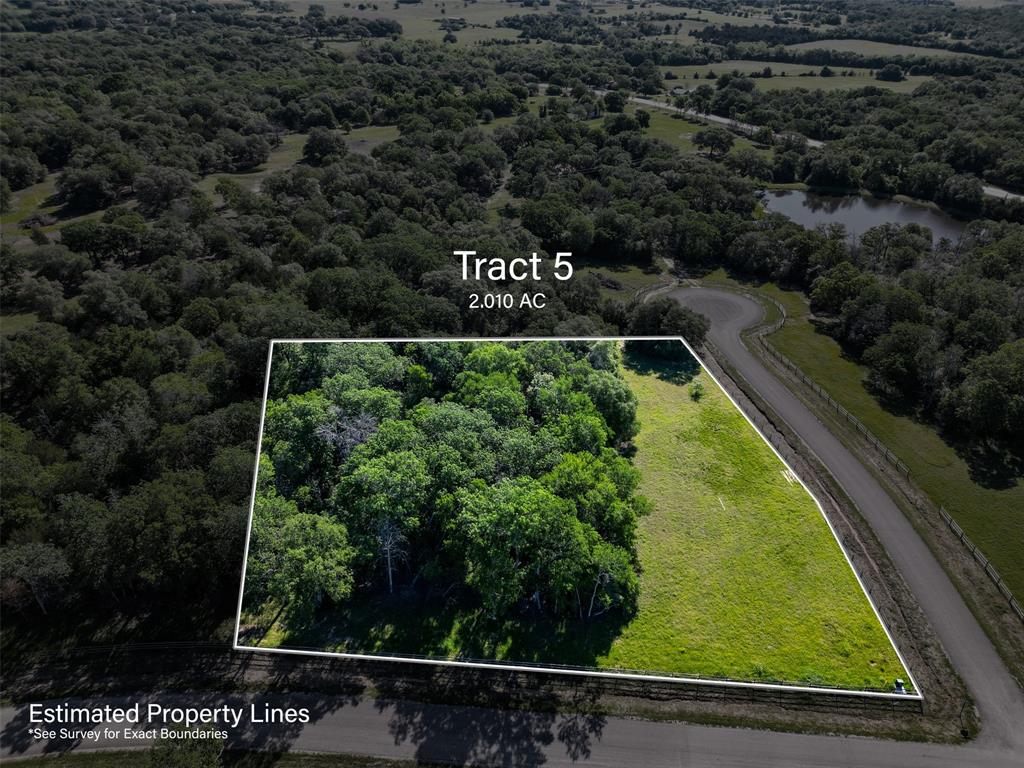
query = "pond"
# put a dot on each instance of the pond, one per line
(858, 212)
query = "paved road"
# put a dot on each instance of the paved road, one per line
(707, 117)
(472, 736)
(1000, 701)
(994, 191)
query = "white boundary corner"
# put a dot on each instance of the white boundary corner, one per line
(575, 671)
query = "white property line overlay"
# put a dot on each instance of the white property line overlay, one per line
(579, 672)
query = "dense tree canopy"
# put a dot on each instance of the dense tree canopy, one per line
(489, 468)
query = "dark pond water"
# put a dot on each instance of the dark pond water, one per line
(858, 213)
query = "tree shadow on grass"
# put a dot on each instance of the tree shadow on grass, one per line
(991, 466)
(421, 626)
(669, 360)
(458, 715)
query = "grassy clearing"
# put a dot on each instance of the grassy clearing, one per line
(678, 131)
(787, 76)
(696, 17)
(283, 156)
(12, 324)
(363, 140)
(982, 3)
(992, 517)
(631, 278)
(359, 140)
(25, 202)
(741, 576)
(670, 128)
(872, 48)
(533, 104)
(41, 197)
(421, 21)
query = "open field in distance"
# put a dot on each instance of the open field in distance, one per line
(872, 48)
(787, 76)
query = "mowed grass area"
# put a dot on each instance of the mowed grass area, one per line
(992, 517)
(741, 576)
(421, 21)
(42, 197)
(670, 127)
(674, 129)
(787, 76)
(983, 3)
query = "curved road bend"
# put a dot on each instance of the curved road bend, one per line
(1000, 701)
(485, 737)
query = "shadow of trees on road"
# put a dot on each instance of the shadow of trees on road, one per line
(516, 734)
(441, 715)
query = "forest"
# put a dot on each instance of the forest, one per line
(490, 474)
(139, 306)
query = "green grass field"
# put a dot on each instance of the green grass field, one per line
(671, 129)
(41, 197)
(983, 3)
(991, 517)
(787, 76)
(741, 576)
(26, 201)
(872, 48)
(678, 131)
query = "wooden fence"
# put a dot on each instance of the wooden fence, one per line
(983, 562)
